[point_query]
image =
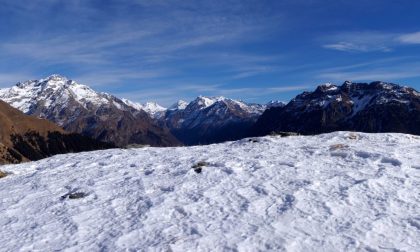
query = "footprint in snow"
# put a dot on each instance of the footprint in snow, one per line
(148, 172)
(74, 195)
(393, 161)
(288, 202)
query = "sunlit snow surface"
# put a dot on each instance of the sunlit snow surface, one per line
(334, 192)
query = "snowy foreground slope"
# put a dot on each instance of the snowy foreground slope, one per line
(333, 192)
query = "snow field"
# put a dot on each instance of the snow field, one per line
(341, 191)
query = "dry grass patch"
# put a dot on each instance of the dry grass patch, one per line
(3, 174)
(338, 147)
(284, 133)
(353, 136)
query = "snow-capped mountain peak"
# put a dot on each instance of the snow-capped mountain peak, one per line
(326, 87)
(275, 103)
(78, 108)
(373, 107)
(211, 119)
(55, 77)
(55, 93)
(179, 105)
(132, 104)
(205, 102)
(152, 108)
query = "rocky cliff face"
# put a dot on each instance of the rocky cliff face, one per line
(25, 138)
(373, 107)
(77, 108)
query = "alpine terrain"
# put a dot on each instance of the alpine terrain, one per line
(341, 191)
(213, 119)
(78, 108)
(24, 138)
(373, 107)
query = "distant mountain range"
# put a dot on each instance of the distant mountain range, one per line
(24, 138)
(104, 117)
(206, 120)
(210, 120)
(374, 107)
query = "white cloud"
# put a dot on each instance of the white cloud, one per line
(410, 38)
(374, 72)
(369, 41)
(349, 47)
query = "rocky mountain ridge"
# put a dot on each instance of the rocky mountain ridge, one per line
(24, 138)
(212, 119)
(78, 108)
(367, 107)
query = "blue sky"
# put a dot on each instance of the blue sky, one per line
(256, 51)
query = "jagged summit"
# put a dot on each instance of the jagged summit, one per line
(355, 93)
(326, 87)
(204, 101)
(78, 108)
(349, 86)
(55, 77)
(152, 108)
(211, 119)
(275, 103)
(53, 91)
(371, 107)
(181, 104)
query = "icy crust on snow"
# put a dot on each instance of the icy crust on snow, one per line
(334, 192)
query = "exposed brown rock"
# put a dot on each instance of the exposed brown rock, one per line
(24, 138)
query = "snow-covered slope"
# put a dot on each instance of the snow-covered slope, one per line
(334, 192)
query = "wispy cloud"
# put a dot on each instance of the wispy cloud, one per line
(410, 38)
(156, 49)
(394, 69)
(190, 34)
(353, 47)
(370, 75)
(370, 41)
